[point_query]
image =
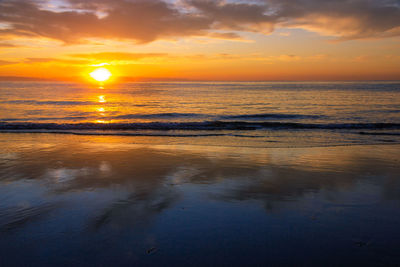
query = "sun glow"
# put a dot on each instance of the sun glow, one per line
(101, 74)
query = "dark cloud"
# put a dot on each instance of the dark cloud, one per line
(147, 20)
(347, 19)
(235, 16)
(142, 21)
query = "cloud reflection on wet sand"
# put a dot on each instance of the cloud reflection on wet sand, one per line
(109, 191)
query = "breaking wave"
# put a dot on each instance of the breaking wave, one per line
(200, 126)
(270, 116)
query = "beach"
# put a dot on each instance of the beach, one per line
(203, 174)
(123, 200)
(199, 133)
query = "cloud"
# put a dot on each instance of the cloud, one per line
(235, 16)
(346, 19)
(118, 56)
(144, 21)
(7, 45)
(55, 60)
(230, 36)
(5, 62)
(141, 21)
(289, 58)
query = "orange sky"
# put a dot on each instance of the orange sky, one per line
(201, 39)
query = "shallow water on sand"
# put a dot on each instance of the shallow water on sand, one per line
(123, 200)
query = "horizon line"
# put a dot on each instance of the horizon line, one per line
(152, 79)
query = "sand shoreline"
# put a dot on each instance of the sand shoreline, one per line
(103, 200)
(207, 140)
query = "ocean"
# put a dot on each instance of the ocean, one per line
(270, 114)
(200, 174)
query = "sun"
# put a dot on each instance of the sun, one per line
(101, 74)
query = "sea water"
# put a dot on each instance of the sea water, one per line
(262, 114)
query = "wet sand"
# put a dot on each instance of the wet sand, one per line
(104, 200)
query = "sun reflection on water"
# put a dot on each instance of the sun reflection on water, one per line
(101, 110)
(102, 99)
(102, 121)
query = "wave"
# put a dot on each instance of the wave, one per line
(174, 115)
(159, 116)
(57, 103)
(270, 116)
(200, 126)
(45, 119)
(380, 133)
(392, 111)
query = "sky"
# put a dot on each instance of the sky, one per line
(220, 40)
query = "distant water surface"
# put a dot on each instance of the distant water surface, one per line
(251, 114)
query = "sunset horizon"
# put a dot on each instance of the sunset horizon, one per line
(201, 40)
